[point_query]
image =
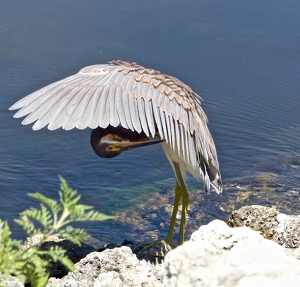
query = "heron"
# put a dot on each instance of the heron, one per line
(127, 105)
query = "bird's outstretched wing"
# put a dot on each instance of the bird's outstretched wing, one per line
(126, 94)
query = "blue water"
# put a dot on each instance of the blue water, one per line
(242, 57)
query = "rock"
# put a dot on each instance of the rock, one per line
(259, 218)
(283, 229)
(218, 255)
(73, 251)
(288, 233)
(11, 282)
(37, 239)
(112, 267)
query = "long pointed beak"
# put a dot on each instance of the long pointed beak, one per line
(127, 145)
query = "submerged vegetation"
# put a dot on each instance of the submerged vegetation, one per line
(53, 218)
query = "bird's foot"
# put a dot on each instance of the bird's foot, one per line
(154, 251)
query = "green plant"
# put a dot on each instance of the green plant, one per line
(53, 217)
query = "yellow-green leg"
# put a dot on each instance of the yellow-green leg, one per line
(178, 195)
(169, 239)
(185, 202)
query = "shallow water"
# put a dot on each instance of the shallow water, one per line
(242, 57)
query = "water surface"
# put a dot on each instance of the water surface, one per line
(242, 57)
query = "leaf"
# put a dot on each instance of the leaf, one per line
(78, 214)
(59, 254)
(8, 251)
(52, 204)
(43, 216)
(68, 196)
(26, 224)
(31, 263)
(76, 235)
(39, 281)
(4, 232)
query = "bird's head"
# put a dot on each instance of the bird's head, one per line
(110, 142)
(107, 149)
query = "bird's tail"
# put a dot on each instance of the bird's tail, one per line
(217, 183)
(212, 177)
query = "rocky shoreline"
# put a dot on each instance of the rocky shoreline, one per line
(258, 246)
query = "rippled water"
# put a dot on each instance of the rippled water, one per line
(242, 57)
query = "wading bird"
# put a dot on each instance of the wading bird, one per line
(126, 105)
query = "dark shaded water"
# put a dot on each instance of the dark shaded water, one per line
(242, 57)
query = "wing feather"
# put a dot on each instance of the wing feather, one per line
(169, 131)
(157, 120)
(124, 107)
(177, 137)
(165, 134)
(149, 117)
(144, 92)
(166, 105)
(192, 154)
(134, 116)
(142, 116)
(139, 99)
(78, 110)
(47, 110)
(125, 100)
(33, 106)
(173, 140)
(36, 98)
(79, 117)
(120, 108)
(99, 102)
(87, 110)
(95, 108)
(103, 118)
(71, 106)
(183, 141)
(64, 109)
(113, 118)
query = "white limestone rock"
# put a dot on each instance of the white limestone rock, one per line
(111, 268)
(220, 256)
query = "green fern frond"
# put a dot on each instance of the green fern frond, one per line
(78, 215)
(41, 215)
(52, 204)
(76, 235)
(54, 217)
(9, 251)
(26, 224)
(57, 253)
(68, 196)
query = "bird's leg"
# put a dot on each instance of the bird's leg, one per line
(185, 202)
(180, 192)
(178, 195)
(142, 248)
